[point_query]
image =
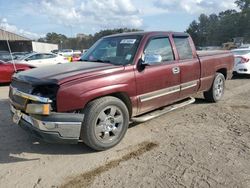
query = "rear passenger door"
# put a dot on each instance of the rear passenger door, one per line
(189, 66)
(157, 84)
(50, 59)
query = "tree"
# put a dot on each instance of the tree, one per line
(81, 43)
(55, 38)
(217, 29)
(243, 4)
(193, 30)
(244, 25)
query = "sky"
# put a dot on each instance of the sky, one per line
(35, 18)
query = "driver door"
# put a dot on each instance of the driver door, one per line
(158, 84)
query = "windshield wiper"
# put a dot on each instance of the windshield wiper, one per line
(101, 61)
(84, 60)
(96, 60)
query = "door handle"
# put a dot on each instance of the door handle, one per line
(176, 70)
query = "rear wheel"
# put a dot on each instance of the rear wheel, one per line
(105, 123)
(216, 92)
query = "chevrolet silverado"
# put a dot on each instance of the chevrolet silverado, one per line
(122, 78)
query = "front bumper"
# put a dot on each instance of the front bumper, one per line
(55, 128)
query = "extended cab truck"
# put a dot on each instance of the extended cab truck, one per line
(120, 79)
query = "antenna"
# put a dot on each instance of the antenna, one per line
(8, 44)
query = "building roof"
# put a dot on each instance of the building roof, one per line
(6, 35)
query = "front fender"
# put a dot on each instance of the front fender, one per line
(103, 91)
(70, 101)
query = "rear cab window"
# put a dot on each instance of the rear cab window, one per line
(183, 47)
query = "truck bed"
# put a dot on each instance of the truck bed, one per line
(212, 52)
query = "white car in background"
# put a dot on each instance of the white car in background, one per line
(66, 52)
(242, 60)
(42, 59)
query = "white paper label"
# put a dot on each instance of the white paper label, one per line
(128, 41)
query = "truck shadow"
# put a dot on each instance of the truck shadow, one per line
(4, 85)
(200, 100)
(15, 143)
(240, 76)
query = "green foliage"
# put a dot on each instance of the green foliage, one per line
(81, 43)
(213, 30)
(243, 4)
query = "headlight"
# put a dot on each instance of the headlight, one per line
(48, 91)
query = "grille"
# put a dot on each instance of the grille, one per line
(22, 86)
(19, 102)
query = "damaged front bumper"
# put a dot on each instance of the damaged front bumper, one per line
(54, 128)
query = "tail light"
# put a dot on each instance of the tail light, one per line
(244, 60)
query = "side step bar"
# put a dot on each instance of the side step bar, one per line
(157, 113)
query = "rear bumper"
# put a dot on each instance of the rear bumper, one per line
(55, 128)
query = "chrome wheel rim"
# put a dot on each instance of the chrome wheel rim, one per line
(219, 88)
(108, 124)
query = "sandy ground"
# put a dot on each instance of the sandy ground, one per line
(201, 145)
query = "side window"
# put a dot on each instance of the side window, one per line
(160, 46)
(33, 57)
(39, 56)
(48, 56)
(183, 47)
(53, 55)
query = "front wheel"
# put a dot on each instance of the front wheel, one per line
(216, 92)
(105, 123)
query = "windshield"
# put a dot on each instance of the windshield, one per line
(241, 52)
(20, 56)
(25, 56)
(5, 56)
(118, 50)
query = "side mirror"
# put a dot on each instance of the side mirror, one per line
(151, 59)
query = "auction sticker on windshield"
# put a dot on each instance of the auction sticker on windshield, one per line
(128, 41)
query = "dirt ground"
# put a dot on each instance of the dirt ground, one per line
(201, 145)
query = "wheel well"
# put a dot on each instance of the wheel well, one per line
(124, 98)
(223, 71)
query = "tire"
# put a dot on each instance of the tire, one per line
(216, 92)
(105, 123)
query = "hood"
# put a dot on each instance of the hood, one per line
(61, 73)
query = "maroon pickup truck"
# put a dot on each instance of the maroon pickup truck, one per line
(131, 77)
